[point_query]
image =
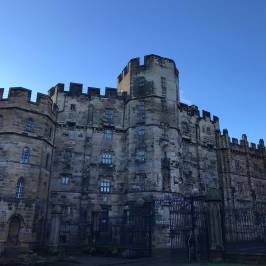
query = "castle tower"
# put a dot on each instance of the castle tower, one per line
(158, 76)
(153, 137)
(26, 148)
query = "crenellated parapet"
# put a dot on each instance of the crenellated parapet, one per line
(241, 145)
(192, 110)
(19, 97)
(76, 90)
(149, 60)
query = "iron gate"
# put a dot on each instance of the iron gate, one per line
(137, 235)
(188, 228)
(129, 235)
(245, 229)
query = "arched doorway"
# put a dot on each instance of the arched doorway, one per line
(14, 230)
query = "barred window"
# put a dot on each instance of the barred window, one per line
(163, 86)
(25, 155)
(105, 186)
(107, 158)
(140, 156)
(109, 114)
(108, 134)
(29, 125)
(65, 180)
(20, 188)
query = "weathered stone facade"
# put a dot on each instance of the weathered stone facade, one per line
(26, 147)
(98, 153)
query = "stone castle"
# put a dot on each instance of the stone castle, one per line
(72, 157)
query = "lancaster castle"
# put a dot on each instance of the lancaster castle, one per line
(75, 166)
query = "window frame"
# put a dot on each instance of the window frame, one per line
(107, 158)
(141, 111)
(108, 134)
(109, 114)
(164, 86)
(65, 180)
(140, 155)
(105, 186)
(73, 107)
(20, 188)
(25, 157)
(29, 124)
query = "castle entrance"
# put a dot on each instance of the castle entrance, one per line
(129, 235)
(14, 230)
(188, 228)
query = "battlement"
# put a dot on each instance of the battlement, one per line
(149, 60)
(192, 110)
(75, 90)
(21, 97)
(241, 144)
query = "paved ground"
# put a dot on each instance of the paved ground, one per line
(100, 261)
(106, 261)
(246, 248)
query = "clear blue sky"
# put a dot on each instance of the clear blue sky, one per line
(219, 47)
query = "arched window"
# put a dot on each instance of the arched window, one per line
(25, 155)
(20, 188)
(29, 125)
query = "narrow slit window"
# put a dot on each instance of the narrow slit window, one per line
(20, 188)
(109, 114)
(163, 86)
(29, 125)
(25, 155)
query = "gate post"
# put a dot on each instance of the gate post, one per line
(216, 245)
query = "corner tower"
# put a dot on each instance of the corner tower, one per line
(158, 76)
(26, 148)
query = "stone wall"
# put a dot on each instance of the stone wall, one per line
(95, 153)
(26, 148)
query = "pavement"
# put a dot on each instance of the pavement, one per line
(109, 261)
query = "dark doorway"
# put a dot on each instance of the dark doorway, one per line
(129, 234)
(14, 230)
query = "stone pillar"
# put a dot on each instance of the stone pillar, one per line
(216, 245)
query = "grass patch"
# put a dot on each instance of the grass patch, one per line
(216, 264)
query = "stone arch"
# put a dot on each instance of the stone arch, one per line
(15, 224)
